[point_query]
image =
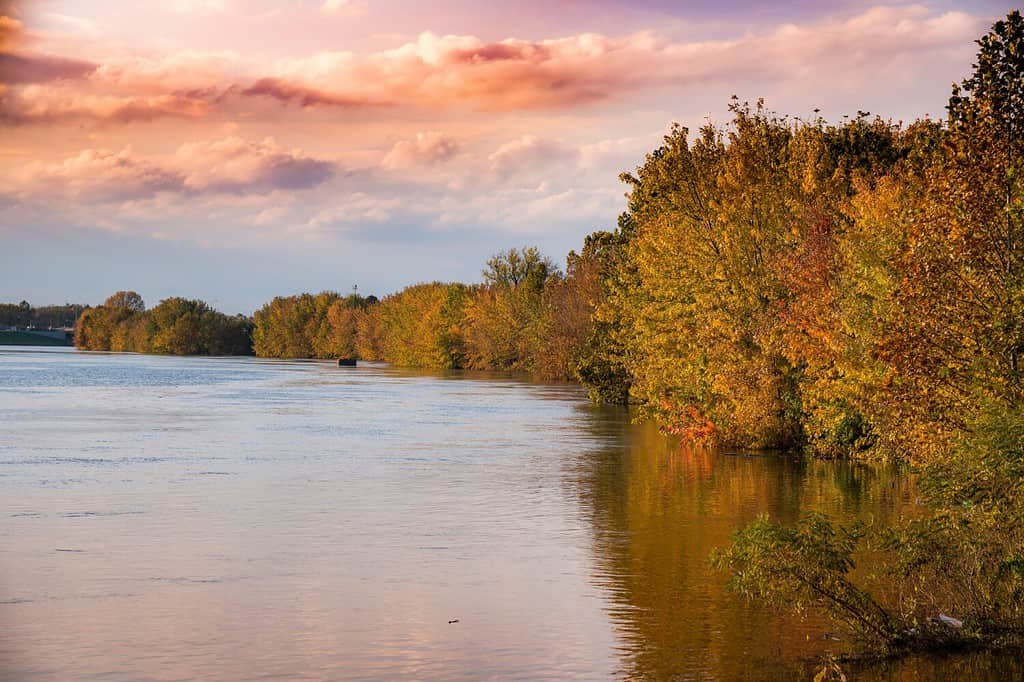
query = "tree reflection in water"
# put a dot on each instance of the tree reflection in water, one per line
(658, 508)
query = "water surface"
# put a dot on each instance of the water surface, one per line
(238, 519)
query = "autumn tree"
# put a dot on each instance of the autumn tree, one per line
(567, 337)
(604, 354)
(105, 327)
(504, 317)
(293, 326)
(419, 326)
(929, 300)
(935, 259)
(343, 317)
(125, 300)
(176, 326)
(697, 306)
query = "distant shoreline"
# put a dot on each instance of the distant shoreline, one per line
(33, 338)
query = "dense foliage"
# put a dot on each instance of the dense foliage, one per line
(309, 326)
(176, 326)
(525, 316)
(850, 288)
(926, 299)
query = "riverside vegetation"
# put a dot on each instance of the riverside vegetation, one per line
(176, 326)
(851, 290)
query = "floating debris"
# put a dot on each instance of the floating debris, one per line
(950, 621)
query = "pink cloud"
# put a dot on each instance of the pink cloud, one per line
(239, 166)
(101, 175)
(42, 104)
(443, 71)
(11, 31)
(438, 72)
(184, 70)
(426, 149)
(228, 166)
(346, 8)
(447, 71)
(287, 93)
(44, 89)
(528, 153)
(18, 69)
(194, 7)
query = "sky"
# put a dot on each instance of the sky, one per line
(236, 150)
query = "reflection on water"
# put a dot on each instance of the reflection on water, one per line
(658, 510)
(168, 518)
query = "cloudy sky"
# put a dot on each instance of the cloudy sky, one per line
(234, 150)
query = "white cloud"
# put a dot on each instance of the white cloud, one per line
(529, 153)
(353, 211)
(426, 149)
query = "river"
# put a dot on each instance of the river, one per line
(241, 519)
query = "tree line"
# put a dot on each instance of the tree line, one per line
(526, 315)
(24, 315)
(176, 326)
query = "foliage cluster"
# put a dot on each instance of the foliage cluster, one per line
(962, 558)
(850, 287)
(525, 316)
(919, 337)
(176, 326)
(309, 326)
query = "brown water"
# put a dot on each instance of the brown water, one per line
(237, 519)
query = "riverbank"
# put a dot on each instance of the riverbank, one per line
(34, 338)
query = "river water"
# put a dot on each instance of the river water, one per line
(240, 519)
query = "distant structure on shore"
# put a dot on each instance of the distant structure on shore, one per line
(35, 336)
